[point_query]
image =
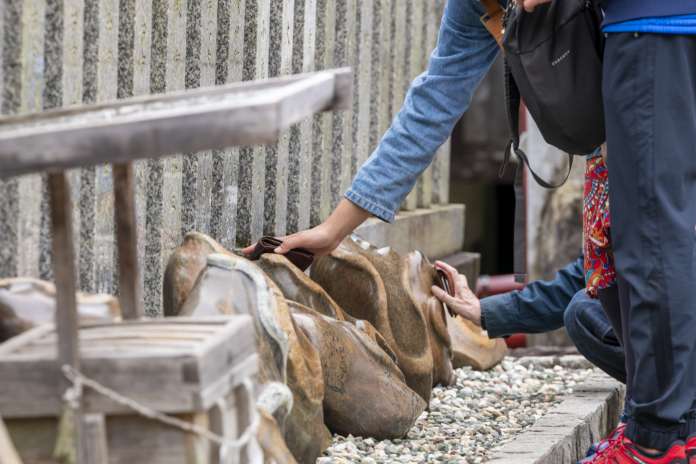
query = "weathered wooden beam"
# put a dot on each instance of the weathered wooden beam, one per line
(130, 289)
(154, 126)
(64, 276)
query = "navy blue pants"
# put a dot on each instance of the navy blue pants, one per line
(650, 106)
(591, 331)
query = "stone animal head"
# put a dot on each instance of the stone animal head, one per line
(377, 285)
(183, 267)
(230, 284)
(298, 287)
(365, 391)
(26, 303)
(472, 347)
(422, 275)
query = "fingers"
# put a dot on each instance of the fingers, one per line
(451, 272)
(442, 295)
(289, 243)
(462, 280)
(248, 250)
(446, 267)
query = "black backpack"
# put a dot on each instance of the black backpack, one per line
(553, 60)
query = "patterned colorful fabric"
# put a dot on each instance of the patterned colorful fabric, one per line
(599, 259)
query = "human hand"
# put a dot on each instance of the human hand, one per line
(464, 303)
(324, 238)
(529, 5)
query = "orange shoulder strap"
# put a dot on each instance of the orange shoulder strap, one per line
(493, 19)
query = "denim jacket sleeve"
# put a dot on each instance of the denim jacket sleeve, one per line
(539, 307)
(434, 103)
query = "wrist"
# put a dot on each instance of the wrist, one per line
(344, 220)
(477, 315)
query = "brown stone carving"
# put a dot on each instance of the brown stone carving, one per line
(231, 284)
(26, 302)
(365, 392)
(298, 287)
(183, 267)
(422, 275)
(389, 291)
(472, 347)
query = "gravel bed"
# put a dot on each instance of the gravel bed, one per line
(480, 411)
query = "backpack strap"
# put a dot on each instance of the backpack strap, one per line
(493, 19)
(513, 101)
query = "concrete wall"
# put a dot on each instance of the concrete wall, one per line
(554, 218)
(56, 53)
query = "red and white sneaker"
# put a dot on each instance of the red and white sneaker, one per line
(623, 451)
(603, 444)
(691, 449)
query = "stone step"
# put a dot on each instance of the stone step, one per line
(437, 231)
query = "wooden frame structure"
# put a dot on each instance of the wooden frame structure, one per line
(150, 127)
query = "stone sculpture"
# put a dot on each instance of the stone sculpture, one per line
(26, 302)
(183, 267)
(472, 347)
(392, 293)
(363, 267)
(230, 284)
(298, 287)
(365, 392)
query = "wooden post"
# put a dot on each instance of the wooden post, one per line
(94, 450)
(64, 272)
(131, 294)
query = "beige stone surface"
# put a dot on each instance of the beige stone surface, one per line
(436, 232)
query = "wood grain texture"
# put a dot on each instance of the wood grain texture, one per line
(95, 448)
(66, 287)
(173, 365)
(130, 284)
(151, 127)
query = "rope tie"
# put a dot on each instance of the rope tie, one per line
(72, 397)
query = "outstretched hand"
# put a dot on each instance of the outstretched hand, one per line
(464, 303)
(324, 238)
(319, 241)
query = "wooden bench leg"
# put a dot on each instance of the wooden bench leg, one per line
(65, 281)
(130, 287)
(94, 449)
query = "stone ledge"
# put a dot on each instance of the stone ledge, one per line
(437, 231)
(466, 263)
(563, 435)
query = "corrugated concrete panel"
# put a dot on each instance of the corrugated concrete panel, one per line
(62, 53)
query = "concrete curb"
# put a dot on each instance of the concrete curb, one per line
(563, 435)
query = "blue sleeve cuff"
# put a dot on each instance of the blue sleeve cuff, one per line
(370, 206)
(498, 312)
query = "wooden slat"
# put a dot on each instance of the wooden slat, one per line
(172, 376)
(65, 280)
(150, 127)
(95, 449)
(131, 293)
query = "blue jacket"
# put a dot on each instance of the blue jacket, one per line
(539, 307)
(434, 103)
(625, 10)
